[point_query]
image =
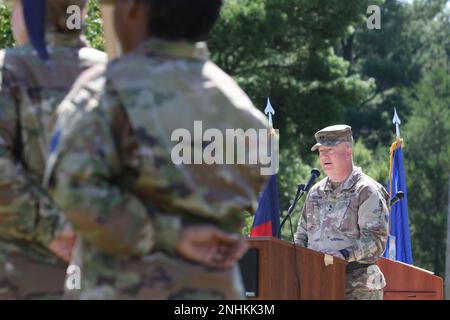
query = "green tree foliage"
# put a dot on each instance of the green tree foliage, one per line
(293, 171)
(387, 55)
(374, 163)
(6, 38)
(284, 49)
(427, 152)
(404, 58)
(94, 27)
(412, 38)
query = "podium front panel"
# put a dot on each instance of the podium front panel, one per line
(285, 271)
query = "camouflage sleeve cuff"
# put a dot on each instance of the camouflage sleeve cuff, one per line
(354, 253)
(352, 257)
(49, 226)
(362, 254)
(168, 232)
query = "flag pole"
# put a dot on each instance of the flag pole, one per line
(267, 216)
(397, 144)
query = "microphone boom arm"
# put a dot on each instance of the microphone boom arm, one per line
(299, 194)
(301, 189)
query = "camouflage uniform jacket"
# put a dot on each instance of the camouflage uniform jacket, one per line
(112, 171)
(352, 216)
(30, 91)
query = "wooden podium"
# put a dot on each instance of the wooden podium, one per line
(276, 269)
(281, 270)
(406, 282)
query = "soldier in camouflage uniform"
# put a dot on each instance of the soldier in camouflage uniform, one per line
(33, 233)
(112, 171)
(344, 214)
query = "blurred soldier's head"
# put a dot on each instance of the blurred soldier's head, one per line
(136, 20)
(56, 18)
(335, 145)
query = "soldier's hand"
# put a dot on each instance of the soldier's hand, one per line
(210, 246)
(63, 245)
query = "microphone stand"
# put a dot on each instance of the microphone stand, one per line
(299, 194)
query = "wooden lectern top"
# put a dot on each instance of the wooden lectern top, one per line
(407, 282)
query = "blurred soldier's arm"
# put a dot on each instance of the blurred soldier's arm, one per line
(301, 235)
(88, 183)
(373, 227)
(20, 196)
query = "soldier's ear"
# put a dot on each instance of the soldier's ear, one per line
(136, 12)
(135, 7)
(348, 149)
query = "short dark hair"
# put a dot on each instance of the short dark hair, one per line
(182, 19)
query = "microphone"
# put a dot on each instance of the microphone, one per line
(314, 174)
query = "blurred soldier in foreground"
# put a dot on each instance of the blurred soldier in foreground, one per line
(112, 168)
(344, 215)
(35, 240)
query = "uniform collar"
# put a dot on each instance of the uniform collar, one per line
(348, 183)
(65, 40)
(175, 49)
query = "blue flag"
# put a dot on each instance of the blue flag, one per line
(399, 243)
(267, 216)
(34, 12)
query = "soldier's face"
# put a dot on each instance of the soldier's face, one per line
(336, 161)
(18, 24)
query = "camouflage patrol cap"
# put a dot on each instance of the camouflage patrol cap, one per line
(332, 136)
